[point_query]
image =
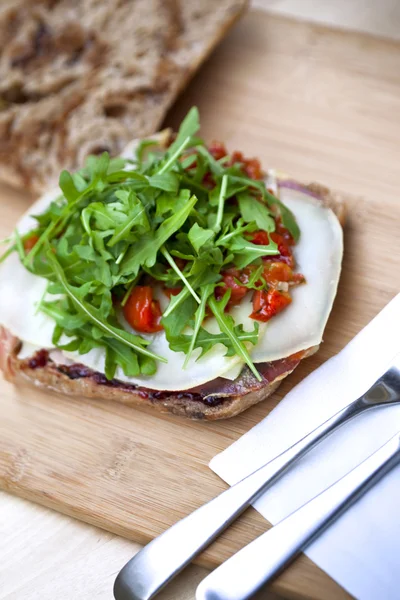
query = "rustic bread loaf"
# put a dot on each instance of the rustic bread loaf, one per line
(83, 76)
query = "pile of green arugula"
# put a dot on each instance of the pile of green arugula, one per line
(118, 220)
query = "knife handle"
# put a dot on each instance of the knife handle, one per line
(164, 557)
(248, 570)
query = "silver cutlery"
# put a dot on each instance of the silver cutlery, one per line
(164, 557)
(256, 564)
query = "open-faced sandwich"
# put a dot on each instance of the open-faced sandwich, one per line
(179, 276)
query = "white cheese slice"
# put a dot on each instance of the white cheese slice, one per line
(318, 255)
(21, 292)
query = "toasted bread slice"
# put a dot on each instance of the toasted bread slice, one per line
(79, 77)
(213, 401)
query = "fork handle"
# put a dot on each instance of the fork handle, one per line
(248, 570)
(165, 556)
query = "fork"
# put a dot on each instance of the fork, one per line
(163, 558)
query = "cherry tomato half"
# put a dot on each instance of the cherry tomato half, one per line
(141, 311)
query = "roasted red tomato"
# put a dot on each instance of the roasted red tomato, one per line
(267, 304)
(141, 311)
(180, 262)
(172, 291)
(284, 233)
(260, 238)
(251, 166)
(30, 242)
(238, 291)
(275, 272)
(217, 150)
(282, 241)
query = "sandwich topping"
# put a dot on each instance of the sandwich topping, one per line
(178, 253)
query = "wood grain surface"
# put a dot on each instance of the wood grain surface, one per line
(321, 105)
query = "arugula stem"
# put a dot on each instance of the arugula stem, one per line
(175, 155)
(176, 301)
(222, 240)
(19, 246)
(199, 318)
(127, 227)
(177, 270)
(7, 253)
(121, 256)
(224, 326)
(40, 303)
(44, 237)
(6, 240)
(221, 203)
(129, 290)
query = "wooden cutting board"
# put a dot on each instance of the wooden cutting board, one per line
(322, 105)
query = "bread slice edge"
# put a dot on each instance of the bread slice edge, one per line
(50, 378)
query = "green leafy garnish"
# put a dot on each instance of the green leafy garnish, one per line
(227, 327)
(93, 315)
(255, 211)
(169, 217)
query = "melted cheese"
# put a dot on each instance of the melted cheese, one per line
(318, 255)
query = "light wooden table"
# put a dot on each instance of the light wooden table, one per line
(45, 555)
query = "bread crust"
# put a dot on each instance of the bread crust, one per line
(79, 77)
(51, 378)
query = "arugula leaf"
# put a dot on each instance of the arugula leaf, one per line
(221, 202)
(246, 252)
(198, 236)
(233, 230)
(176, 321)
(168, 182)
(214, 165)
(198, 320)
(206, 340)
(227, 326)
(123, 357)
(252, 209)
(97, 167)
(287, 217)
(189, 127)
(137, 217)
(146, 249)
(67, 186)
(177, 270)
(93, 315)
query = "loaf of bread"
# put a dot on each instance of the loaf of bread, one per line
(78, 77)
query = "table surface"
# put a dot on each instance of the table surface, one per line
(65, 559)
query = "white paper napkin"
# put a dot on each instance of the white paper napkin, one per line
(361, 551)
